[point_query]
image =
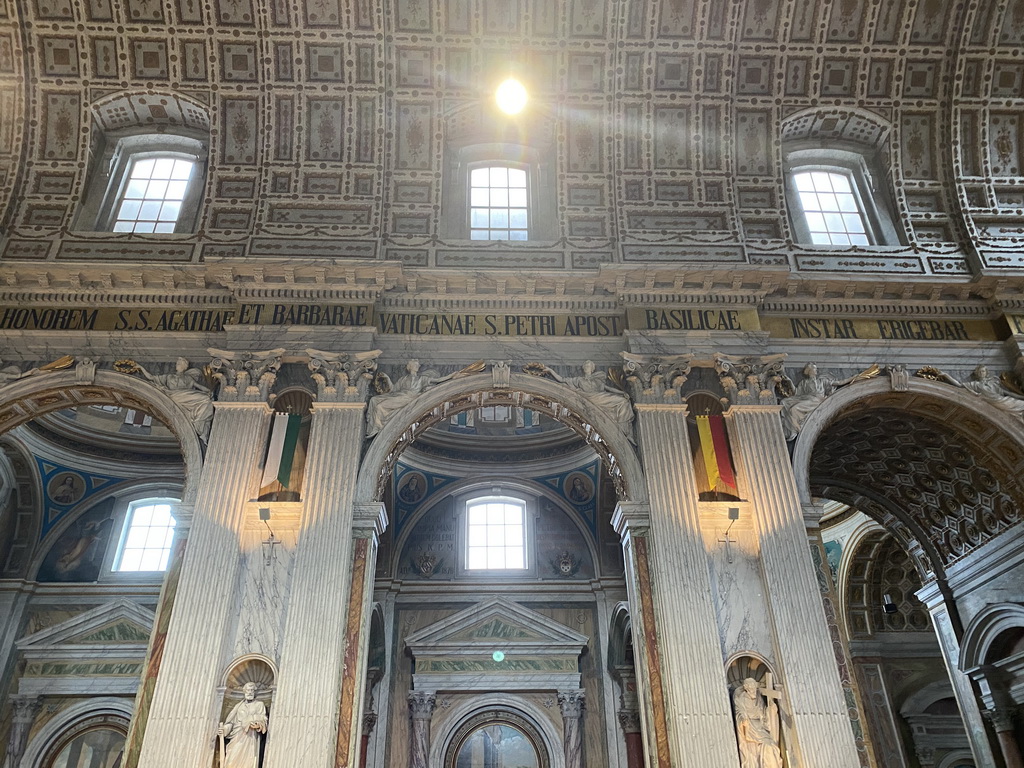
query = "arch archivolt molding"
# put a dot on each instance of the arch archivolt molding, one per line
(26, 398)
(923, 397)
(551, 398)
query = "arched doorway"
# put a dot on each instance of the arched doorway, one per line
(940, 474)
(540, 457)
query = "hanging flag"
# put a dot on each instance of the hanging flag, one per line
(284, 436)
(715, 451)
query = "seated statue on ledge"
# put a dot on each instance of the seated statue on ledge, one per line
(757, 727)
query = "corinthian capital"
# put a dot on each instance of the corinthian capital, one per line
(340, 376)
(653, 378)
(753, 380)
(421, 704)
(245, 376)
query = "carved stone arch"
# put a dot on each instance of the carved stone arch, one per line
(462, 486)
(21, 514)
(32, 396)
(991, 623)
(858, 612)
(448, 725)
(985, 442)
(551, 398)
(56, 730)
(620, 638)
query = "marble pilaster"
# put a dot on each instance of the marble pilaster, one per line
(304, 720)
(23, 712)
(819, 714)
(698, 712)
(189, 663)
(14, 596)
(421, 709)
(964, 691)
(571, 705)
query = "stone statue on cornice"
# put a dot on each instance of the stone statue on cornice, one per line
(392, 396)
(186, 389)
(594, 386)
(811, 392)
(984, 385)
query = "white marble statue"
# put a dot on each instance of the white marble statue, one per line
(757, 727)
(242, 731)
(184, 388)
(594, 386)
(987, 386)
(402, 392)
(809, 394)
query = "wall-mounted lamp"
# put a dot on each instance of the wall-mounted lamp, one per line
(271, 541)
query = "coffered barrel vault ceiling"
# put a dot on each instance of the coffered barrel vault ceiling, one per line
(329, 121)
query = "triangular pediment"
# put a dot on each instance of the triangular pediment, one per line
(119, 623)
(497, 622)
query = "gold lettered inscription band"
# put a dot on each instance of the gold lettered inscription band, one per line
(889, 328)
(430, 324)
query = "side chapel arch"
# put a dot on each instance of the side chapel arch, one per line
(25, 399)
(469, 392)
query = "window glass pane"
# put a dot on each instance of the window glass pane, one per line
(495, 535)
(148, 198)
(494, 193)
(804, 183)
(148, 538)
(831, 216)
(143, 169)
(163, 167)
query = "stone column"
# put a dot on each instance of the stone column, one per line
(421, 709)
(317, 650)
(629, 719)
(369, 721)
(571, 704)
(1002, 721)
(189, 665)
(14, 596)
(819, 715)
(670, 585)
(24, 709)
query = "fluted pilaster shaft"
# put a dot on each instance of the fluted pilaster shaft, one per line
(571, 705)
(184, 713)
(303, 724)
(820, 720)
(698, 713)
(421, 709)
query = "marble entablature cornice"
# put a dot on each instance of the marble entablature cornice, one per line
(401, 287)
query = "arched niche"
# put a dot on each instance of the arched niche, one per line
(556, 400)
(32, 396)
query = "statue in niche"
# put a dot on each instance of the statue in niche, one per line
(983, 384)
(811, 392)
(241, 731)
(184, 388)
(757, 725)
(595, 388)
(393, 396)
